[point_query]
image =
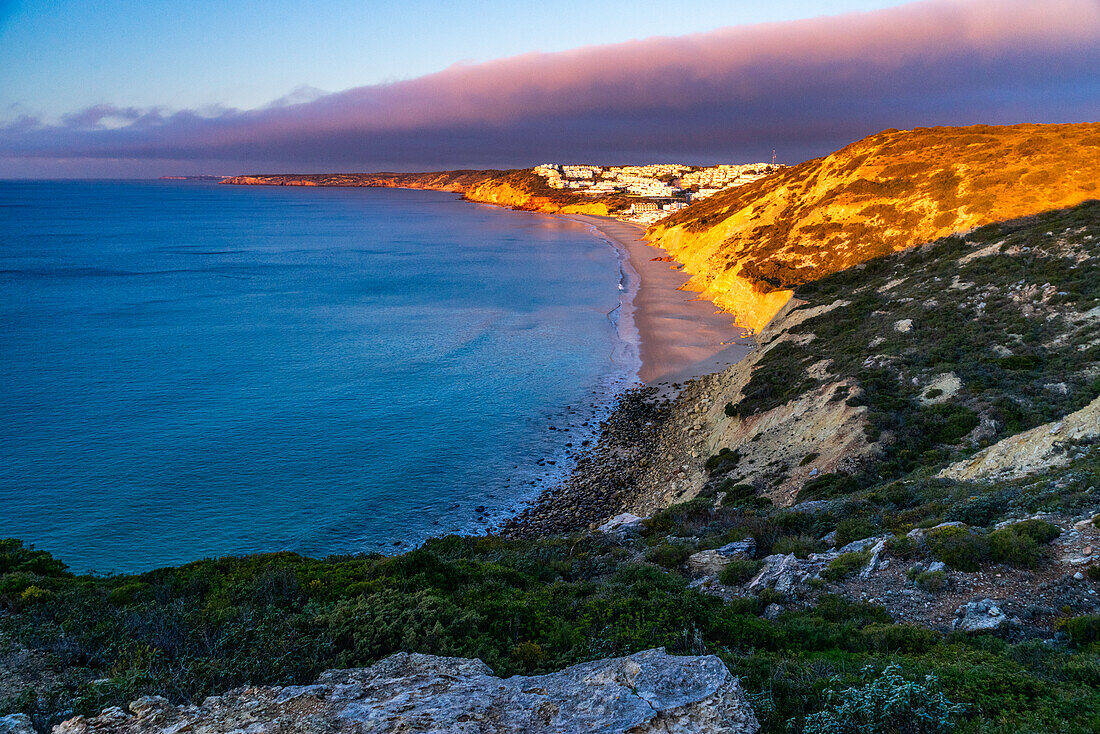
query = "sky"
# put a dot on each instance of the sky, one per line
(120, 88)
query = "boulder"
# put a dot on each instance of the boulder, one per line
(876, 561)
(858, 546)
(779, 572)
(16, 724)
(711, 562)
(624, 524)
(979, 616)
(647, 692)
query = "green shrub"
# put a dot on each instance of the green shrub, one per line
(18, 558)
(739, 571)
(845, 565)
(1094, 573)
(827, 486)
(898, 638)
(888, 704)
(903, 546)
(981, 509)
(724, 461)
(737, 494)
(959, 548)
(669, 555)
(1040, 531)
(528, 655)
(800, 545)
(808, 458)
(931, 581)
(854, 528)
(1014, 549)
(1082, 630)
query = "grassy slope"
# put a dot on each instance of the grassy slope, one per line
(881, 194)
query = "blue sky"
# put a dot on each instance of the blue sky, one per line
(59, 56)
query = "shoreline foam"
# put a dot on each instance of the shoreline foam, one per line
(680, 335)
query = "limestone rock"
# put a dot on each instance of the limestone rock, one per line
(624, 524)
(780, 572)
(16, 724)
(1041, 448)
(858, 546)
(646, 692)
(875, 561)
(979, 616)
(711, 562)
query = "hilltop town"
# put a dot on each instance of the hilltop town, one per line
(658, 189)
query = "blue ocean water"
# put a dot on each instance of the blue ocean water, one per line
(191, 370)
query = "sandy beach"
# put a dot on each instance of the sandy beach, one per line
(681, 335)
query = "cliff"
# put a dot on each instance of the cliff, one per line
(909, 362)
(518, 189)
(748, 247)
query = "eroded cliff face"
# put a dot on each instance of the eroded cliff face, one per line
(913, 361)
(518, 189)
(748, 247)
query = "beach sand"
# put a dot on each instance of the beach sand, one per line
(681, 335)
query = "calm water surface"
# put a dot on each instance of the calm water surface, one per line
(191, 370)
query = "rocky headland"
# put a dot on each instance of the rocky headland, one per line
(518, 189)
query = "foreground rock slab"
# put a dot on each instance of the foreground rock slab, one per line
(649, 691)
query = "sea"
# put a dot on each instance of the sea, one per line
(192, 370)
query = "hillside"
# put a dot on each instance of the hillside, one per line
(519, 189)
(748, 247)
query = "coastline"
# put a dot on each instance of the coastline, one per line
(680, 335)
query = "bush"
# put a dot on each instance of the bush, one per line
(528, 655)
(808, 458)
(737, 493)
(1082, 630)
(958, 548)
(899, 638)
(1040, 531)
(889, 704)
(739, 571)
(903, 546)
(18, 558)
(845, 565)
(800, 545)
(1012, 548)
(854, 528)
(668, 555)
(931, 581)
(724, 461)
(827, 486)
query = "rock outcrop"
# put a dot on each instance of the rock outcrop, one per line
(649, 691)
(1039, 449)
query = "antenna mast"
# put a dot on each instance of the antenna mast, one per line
(773, 156)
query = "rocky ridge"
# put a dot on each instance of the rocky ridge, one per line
(649, 691)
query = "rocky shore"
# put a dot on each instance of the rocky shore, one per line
(606, 477)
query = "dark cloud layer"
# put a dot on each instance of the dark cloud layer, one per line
(801, 87)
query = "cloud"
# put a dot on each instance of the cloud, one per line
(802, 87)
